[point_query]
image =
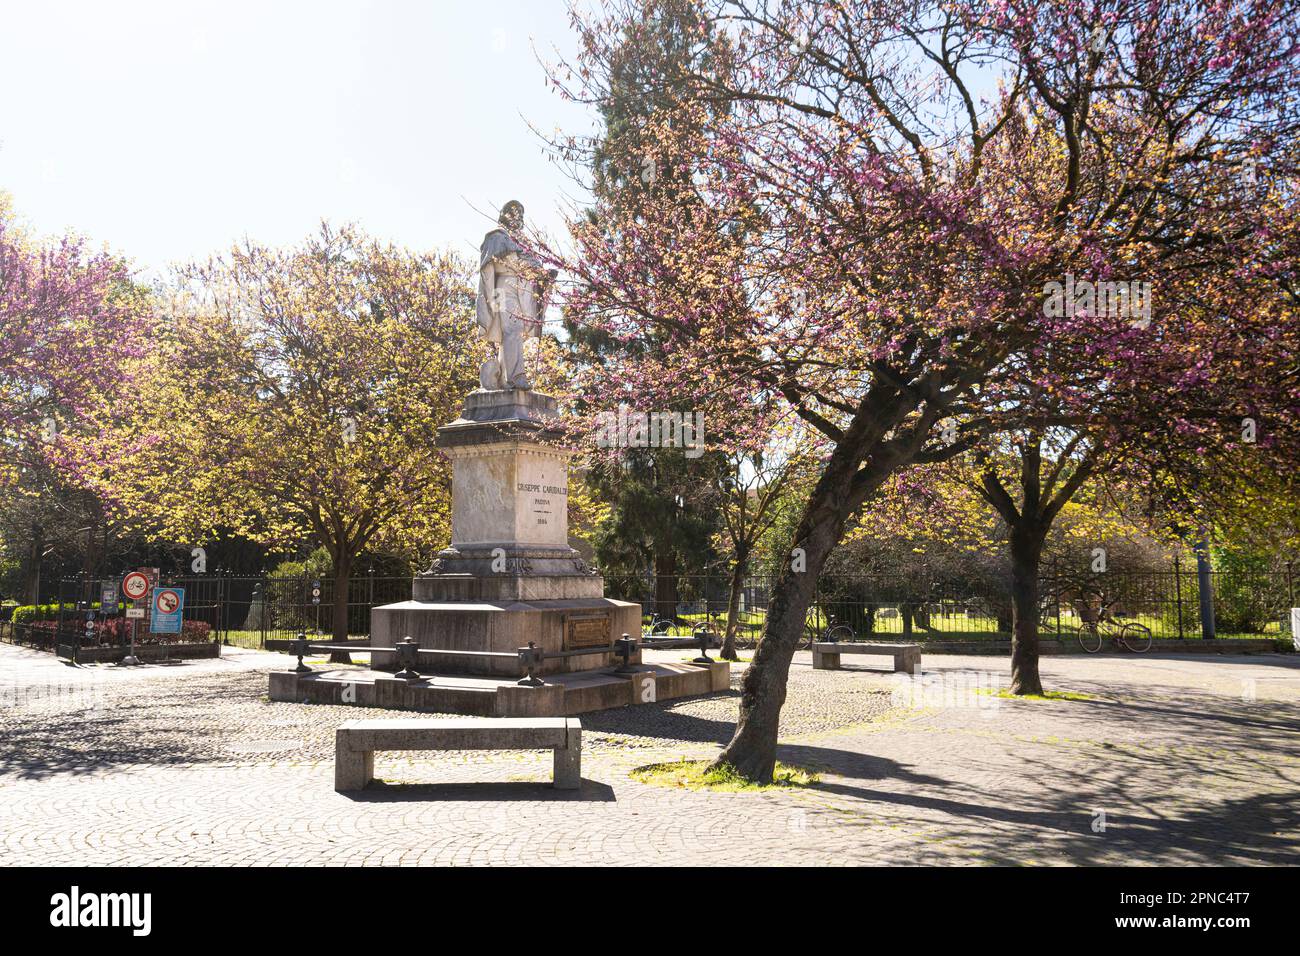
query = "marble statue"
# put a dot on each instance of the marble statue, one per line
(512, 291)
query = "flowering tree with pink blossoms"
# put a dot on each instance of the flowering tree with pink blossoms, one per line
(875, 218)
(73, 328)
(71, 323)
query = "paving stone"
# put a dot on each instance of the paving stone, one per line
(1194, 760)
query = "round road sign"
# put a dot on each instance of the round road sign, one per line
(167, 601)
(135, 585)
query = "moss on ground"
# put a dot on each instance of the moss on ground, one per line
(697, 775)
(1049, 695)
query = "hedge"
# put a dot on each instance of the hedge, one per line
(117, 630)
(28, 613)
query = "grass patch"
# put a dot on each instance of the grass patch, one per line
(696, 775)
(1050, 695)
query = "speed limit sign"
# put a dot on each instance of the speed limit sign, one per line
(135, 585)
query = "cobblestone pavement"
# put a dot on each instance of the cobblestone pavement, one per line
(1192, 759)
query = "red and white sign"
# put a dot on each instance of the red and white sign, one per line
(166, 601)
(135, 585)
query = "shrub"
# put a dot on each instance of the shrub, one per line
(117, 630)
(317, 565)
(1244, 598)
(29, 613)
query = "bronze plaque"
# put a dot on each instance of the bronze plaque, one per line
(580, 632)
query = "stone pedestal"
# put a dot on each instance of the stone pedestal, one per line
(509, 575)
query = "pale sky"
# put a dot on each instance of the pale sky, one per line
(168, 130)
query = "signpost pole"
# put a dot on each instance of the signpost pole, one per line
(135, 586)
(131, 658)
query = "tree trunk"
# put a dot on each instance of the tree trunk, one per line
(32, 573)
(1026, 553)
(752, 750)
(921, 615)
(666, 585)
(90, 565)
(728, 652)
(342, 576)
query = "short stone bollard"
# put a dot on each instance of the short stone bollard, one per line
(300, 649)
(530, 658)
(705, 637)
(625, 646)
(408, 655)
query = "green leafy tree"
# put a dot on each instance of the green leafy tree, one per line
(302, 390)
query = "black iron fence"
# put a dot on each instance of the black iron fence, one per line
(278, 608)
(1246, 603)
(243, 609)
(253, 610)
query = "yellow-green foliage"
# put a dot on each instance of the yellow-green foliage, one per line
(302, 390)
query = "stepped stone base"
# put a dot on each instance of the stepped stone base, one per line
(503, 627)
(563, 695)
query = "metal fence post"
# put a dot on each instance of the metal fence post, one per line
(370, 600)
(58, 609)
(1178, 593)
(1205, 585)
(259, 595)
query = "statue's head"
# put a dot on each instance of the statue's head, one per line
(512, 215)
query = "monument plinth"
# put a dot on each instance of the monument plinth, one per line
(509, 578)
(509, 575)
(510, 518)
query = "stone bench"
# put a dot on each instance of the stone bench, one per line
(826, 654)
(356, 741)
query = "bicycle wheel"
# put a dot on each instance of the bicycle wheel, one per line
(1136, 637)
(1089, 639)
(660, 626)
(810, 633)
(839, 633)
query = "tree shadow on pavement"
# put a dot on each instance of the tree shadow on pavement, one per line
(1199, 779)
(663, 721)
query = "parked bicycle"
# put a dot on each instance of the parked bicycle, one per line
(814, 633)
(1130, 635)
(659, 626)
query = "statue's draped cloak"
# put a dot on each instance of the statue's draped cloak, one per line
(497, 245)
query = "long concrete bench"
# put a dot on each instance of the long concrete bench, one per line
(826, 654)
(356, 741)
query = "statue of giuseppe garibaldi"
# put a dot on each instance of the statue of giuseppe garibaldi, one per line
(512, 291)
